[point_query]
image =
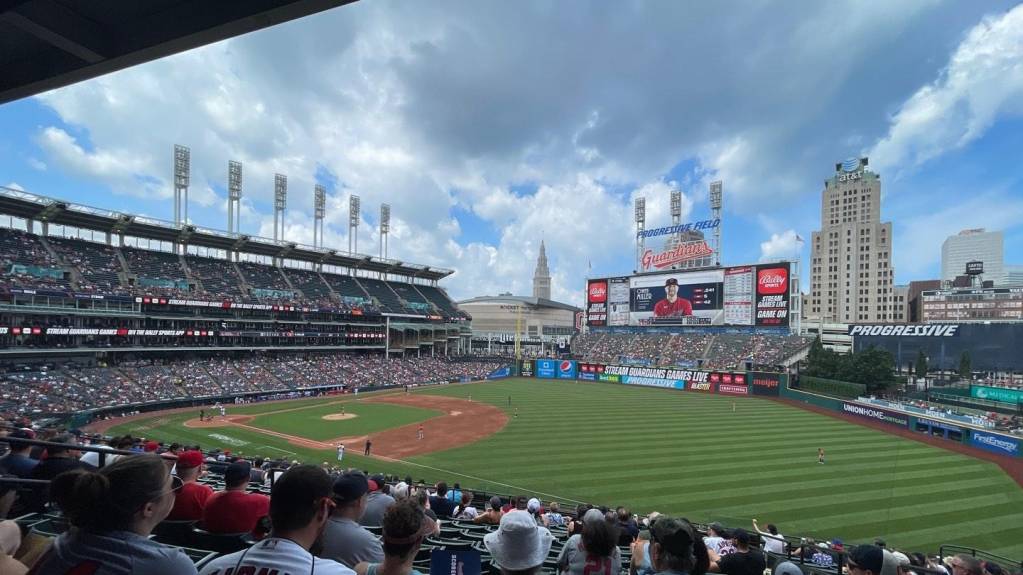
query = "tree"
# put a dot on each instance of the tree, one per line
(921, 365)
(965, 370)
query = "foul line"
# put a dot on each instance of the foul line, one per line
(279, 449)
(516, 487)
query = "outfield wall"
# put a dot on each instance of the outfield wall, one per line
(775, 385)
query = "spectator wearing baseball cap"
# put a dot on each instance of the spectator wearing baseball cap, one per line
(519, 545)
(192, 497)
(114, 510)
(58, 460)
(744, 561)
(235, 510)
(405, 526)
(872, 559)
(377, 502)
(344, 540)
(675, 547)
(300, 507)
(593, 550)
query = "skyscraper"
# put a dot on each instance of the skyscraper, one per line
(850, 264)
(973, 245)
(542, 275)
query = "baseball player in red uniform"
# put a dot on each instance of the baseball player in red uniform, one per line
(672, 305)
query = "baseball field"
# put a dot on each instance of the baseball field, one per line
(707, 457)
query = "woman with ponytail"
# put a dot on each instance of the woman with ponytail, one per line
(676, 548)
(595, 550)
(112, 512)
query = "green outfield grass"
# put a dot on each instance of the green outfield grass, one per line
(691, 454)
(372, 417)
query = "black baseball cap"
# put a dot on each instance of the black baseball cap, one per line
(867, 557)
(671, 282)
(350, 487)
(237, 472)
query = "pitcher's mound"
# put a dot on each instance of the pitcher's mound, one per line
(339, 416)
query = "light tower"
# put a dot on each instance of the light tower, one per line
(234, 196)
(715, 210)
(280, 202)
(353, 224)
(319, 208)
(676, 212)
(640, 226)
(385, 228)
(182, 169)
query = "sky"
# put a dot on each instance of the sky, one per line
(489, 126)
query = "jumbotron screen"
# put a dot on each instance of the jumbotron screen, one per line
(753, 295)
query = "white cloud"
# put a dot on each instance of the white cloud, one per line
(37, 164)
(15, 186)
(784, 245)
(982, 81)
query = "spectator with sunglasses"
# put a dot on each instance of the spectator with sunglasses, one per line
(112, 512)
(300, 507)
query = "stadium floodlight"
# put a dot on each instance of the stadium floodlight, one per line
(182, 170)
(280, 202)
(354, 205)
(319, 209)
(715, 208)
(385, 228)
(234, 196)
(640, 210)
(676, 206)
(640, 225)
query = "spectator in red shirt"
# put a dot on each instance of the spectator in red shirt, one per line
(191, 498)
(234, 510)
(672, 305)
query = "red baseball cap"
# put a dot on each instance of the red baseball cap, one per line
(190, 459)
(151, 446)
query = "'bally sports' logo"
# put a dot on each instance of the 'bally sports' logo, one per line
(772, 280)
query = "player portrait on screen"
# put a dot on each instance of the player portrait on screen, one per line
(672, 305)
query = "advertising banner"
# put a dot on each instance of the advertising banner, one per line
(590, 371)
(765, 383)
(618, 301)
(566, 369)
(704, 386)
(527, 368)
(733, 389)
(995, 443)
(996, 393)
(653, 376)
(596, 303)
(934, 330)
(738, 298)
(773, 295)
(500, 373)
(682, 298)
(876, 413)
(683, 252)
(546, 368)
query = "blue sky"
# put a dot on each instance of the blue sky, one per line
(488, 126)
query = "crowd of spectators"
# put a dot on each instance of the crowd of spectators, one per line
(716, 350)
(26, 263)
(137, 512)
(62, 389)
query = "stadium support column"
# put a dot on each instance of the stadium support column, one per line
(280, 202)
(319, 209)
(715, 210)
(353, 224)
(182, 169)
(387, 339)
(676, 213)
(640, 226)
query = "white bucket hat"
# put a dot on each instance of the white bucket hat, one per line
(519, 543)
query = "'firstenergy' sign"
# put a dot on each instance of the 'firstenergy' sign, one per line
(935, 330)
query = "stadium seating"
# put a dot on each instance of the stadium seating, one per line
(440, 299)
(218, 277)
(266, 277)
(312, 286)
(383, 294)
(98, 264)
(62, 389)
(711, 350)
(27, 263)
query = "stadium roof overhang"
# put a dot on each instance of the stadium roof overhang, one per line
(48, 44)
(38, 208)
